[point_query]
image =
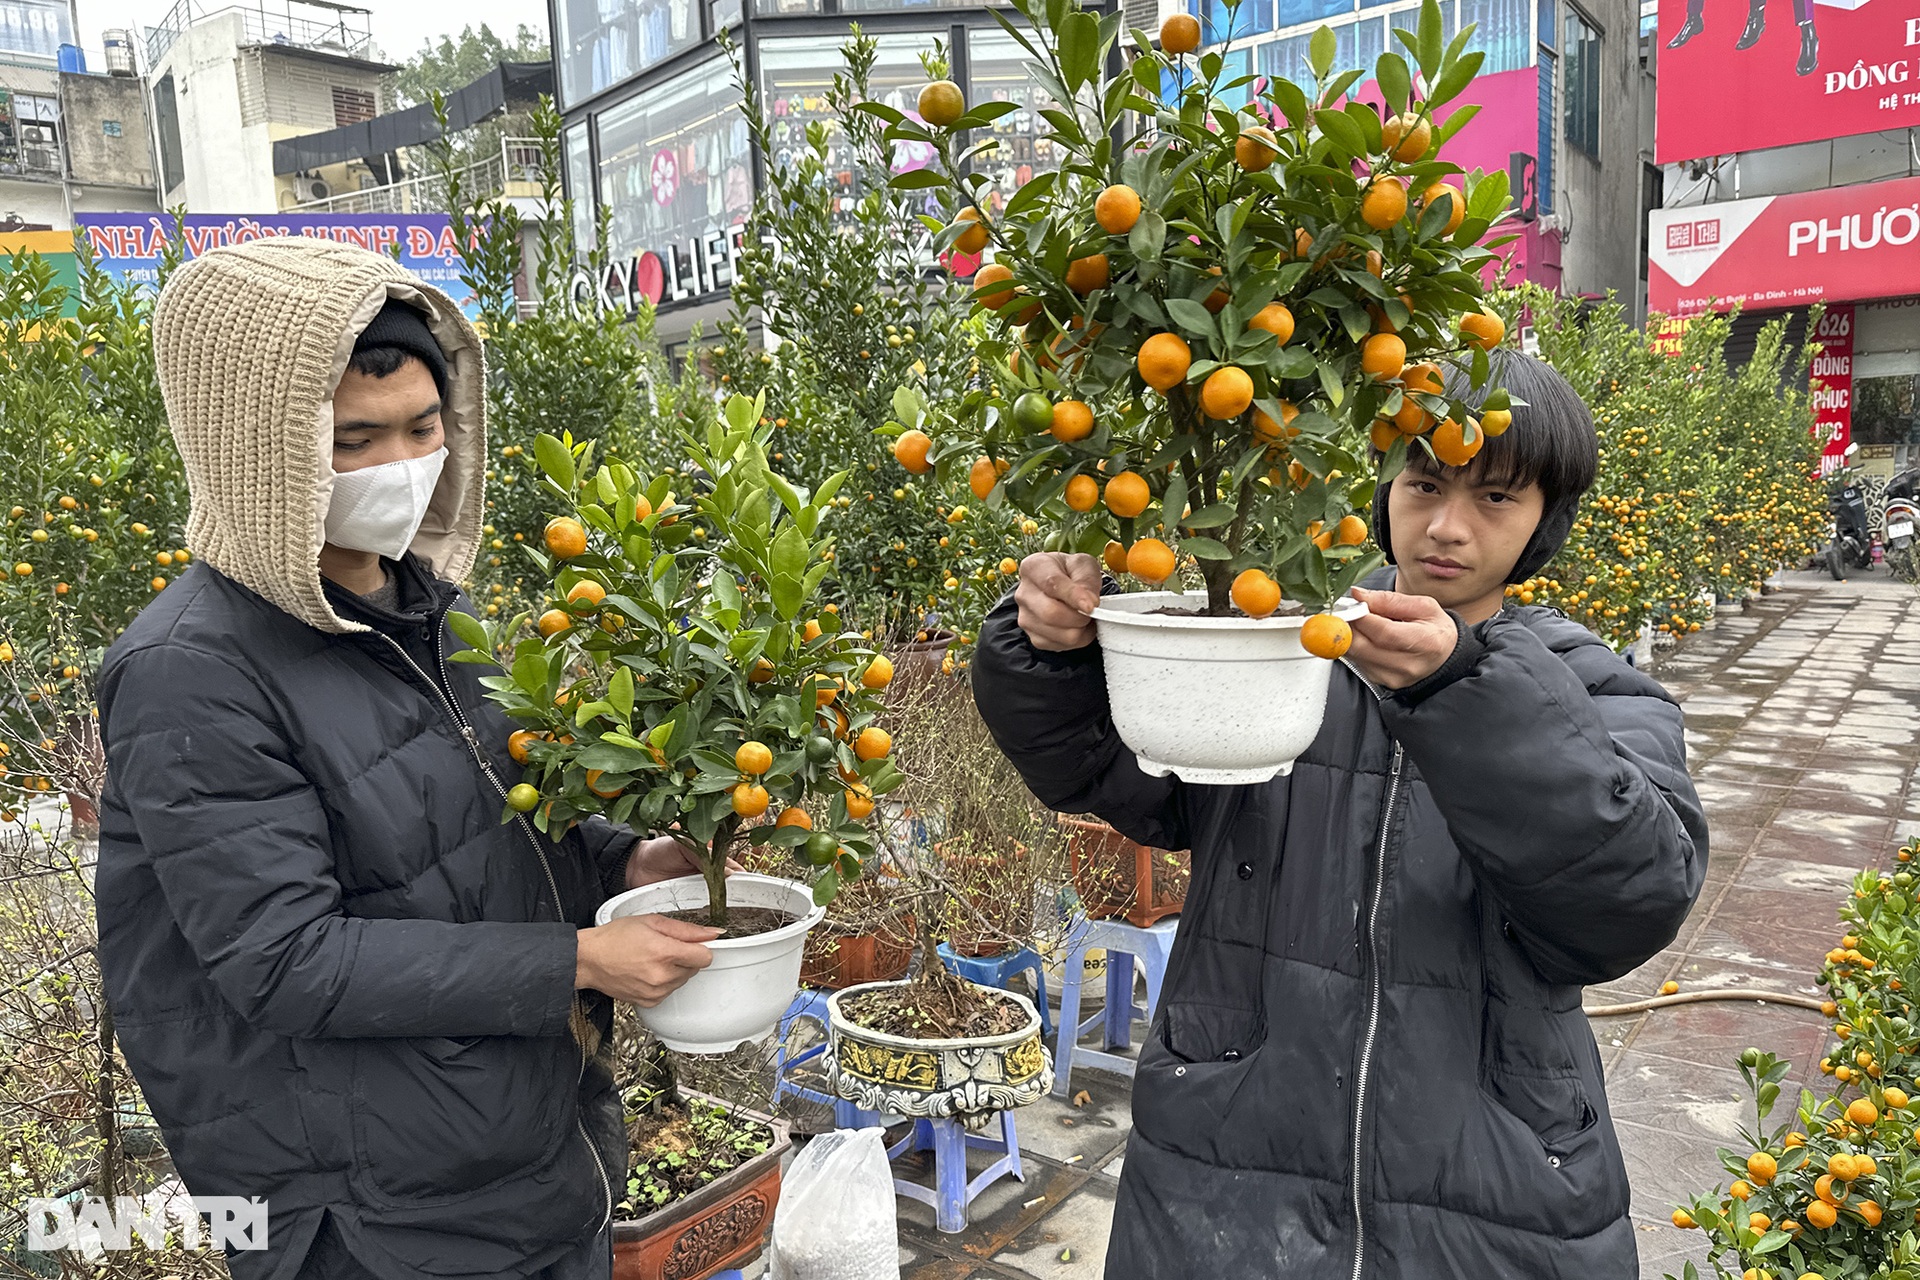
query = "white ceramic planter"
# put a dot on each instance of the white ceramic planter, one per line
(741, 995)
(1225, 701)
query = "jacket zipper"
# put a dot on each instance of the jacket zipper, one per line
(1373, 1014)
(520, 819)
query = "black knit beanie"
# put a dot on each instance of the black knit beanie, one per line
(402, 326)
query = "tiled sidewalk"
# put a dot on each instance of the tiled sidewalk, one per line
(1804, 731)
(1803, 720)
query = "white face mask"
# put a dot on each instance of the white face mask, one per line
(379, 509)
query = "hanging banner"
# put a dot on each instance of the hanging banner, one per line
(1741, 75)
(1667, 335)
(1840, 244)
(128, 245)
(1832, 395)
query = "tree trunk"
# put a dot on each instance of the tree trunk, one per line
(713, 867)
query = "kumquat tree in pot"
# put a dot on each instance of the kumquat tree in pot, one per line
(680, 682)
(1215, 329)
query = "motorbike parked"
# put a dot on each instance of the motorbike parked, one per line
(1852, 544)
(1901, 518)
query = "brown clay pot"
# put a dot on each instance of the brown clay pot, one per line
(716, 1228)
(1119, 879)
(835, 963)
(918, 662)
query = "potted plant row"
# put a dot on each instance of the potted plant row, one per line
(1215, 329)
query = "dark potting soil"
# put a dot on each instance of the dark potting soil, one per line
(679, 1149)
(936, 1007)
(1287, 609)
(742, 922)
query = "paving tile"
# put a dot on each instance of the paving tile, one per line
(1055, 1128)
(1001, 1212)
(1070, 1242)
(1713, 1034)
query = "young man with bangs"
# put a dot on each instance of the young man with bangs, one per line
(1369, 1058)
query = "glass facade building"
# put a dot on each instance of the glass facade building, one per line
(654, 134)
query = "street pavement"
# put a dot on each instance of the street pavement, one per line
(1803, 728)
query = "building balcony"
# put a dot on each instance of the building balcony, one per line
(512, 172)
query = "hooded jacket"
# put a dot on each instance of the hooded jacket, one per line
(1369, 1059)
(343, 983)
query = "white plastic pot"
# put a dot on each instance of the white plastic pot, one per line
(751, 982)
(1223, 701)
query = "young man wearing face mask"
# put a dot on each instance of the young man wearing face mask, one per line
(1368, 1058)
(344, 985)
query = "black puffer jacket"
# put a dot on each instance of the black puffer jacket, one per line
(339, 978)
(342, 982)
(1369, 1058)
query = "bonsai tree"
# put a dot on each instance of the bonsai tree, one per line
(1211, 317)
(680, 681)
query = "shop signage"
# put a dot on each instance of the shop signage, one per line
(128, 245)
(1666, 335)
(690, 271)
(1843, 244)
(1849, 67)
(1832, 394)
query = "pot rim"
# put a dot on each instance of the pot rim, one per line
(1346, 608)
(803, 925)
(744, 1174)
(843, 1024)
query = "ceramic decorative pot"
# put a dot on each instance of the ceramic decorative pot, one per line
(971, 1080)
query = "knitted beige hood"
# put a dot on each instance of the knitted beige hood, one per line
(251, 341)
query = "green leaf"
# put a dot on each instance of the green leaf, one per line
(918, 179)
(1211, 517)
(555, 459)
(1031, 193)
(470, 630)
(1320, 52)
(1205, 549)
(620, 692)
(789, 566)
(826, 887)
(1079, 48)
(530, 669)
(1330, 382)
(1191, 316)
(1456, 79)
(1147, 236)
(1429, 40)
(1396, 82)
(1454, 124)
(1341, 128)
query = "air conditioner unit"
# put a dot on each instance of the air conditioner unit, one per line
(312, 188)
(33, 136)
(1549, 222)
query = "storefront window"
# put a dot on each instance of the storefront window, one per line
(795, 78)
(676, 171)
(1248, 18)
(999, 71)
(1503, 31)
(600, 43)
(580, 184)
(764, 7)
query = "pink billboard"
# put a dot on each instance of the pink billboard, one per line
(1741, 75)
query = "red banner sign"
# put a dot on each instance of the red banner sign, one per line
(1832, 375)
(1844, 244)
(1749, 74)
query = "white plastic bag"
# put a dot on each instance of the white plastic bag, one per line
(836, 1216)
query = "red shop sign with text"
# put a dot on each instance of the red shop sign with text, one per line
(1832, 394)
(1736, 76)
(1845, 244)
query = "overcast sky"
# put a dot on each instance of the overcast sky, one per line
(400, 27)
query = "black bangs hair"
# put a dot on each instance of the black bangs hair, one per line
(1551, 441)
(379, 362)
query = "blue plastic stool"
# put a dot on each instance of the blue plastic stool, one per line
(812, 1004)
(993, 971)
(953, 1191)
(1124, 944)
